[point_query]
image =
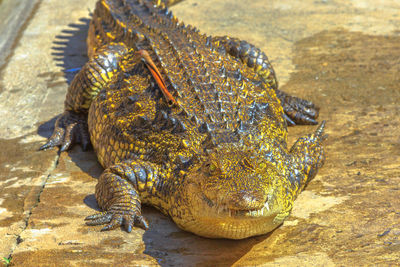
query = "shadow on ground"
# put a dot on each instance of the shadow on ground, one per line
(173, 247)
(70, 52)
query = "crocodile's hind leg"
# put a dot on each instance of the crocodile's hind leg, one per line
(120, 192)
(297, 110)
(97, 74)
(250, 55)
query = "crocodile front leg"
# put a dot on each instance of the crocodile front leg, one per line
(297, 110)
(97, 74)
(70, 128)
(307, 156)
(120, 192)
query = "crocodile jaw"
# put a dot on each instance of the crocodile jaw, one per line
(229, 227)
(218, 221)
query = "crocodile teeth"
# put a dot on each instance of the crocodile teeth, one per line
(266, 206)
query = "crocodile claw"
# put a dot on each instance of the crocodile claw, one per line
(70, 128)
(115, 218)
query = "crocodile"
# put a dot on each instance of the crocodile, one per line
(191, 124)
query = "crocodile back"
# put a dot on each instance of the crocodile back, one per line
(218, 95)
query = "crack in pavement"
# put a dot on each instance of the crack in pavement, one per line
(34, 196)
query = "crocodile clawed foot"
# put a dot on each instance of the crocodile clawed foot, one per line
(70, 128)
(116, 217)
(297, 110)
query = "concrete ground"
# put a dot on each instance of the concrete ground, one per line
(344, 55)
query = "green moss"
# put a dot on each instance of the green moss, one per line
(6, 261)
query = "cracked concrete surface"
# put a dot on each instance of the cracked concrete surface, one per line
(344, 55)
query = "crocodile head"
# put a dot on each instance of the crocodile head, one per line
(231, 194)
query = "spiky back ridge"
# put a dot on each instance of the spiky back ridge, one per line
(216, 93)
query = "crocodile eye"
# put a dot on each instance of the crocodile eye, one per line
(211, 167)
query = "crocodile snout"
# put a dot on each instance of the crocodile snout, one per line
(247, 200)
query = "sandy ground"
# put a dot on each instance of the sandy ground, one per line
(344, 55)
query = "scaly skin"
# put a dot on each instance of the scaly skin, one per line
(198, 129)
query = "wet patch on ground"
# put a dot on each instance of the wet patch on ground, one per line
(18, 172)
(22, 177)
(59, 203)
(13, 202)
(81, 256)
(347, 69)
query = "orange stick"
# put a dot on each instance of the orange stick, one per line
(156, 75)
